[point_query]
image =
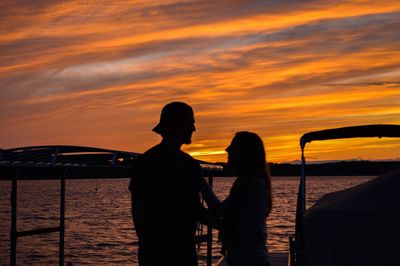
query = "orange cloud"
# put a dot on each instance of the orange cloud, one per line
(98, 74)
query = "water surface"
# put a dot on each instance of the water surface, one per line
(99, 226)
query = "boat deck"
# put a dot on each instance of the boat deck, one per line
(278, 259)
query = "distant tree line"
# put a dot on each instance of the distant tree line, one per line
(342, 168)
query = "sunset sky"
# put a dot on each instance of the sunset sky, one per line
(97, 73)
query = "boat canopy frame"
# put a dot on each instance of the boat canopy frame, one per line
(362, 131)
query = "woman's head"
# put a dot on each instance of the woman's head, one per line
(246, 154)
(246, 157)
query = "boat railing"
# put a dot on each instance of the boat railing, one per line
(71, 162)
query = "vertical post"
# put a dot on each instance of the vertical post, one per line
(300, 210)
(13, 232)
(209, 229)
(62, 217)
(303, 181)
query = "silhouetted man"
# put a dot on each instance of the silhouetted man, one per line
(165, 193)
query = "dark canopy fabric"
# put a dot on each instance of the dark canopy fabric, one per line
(356, 226)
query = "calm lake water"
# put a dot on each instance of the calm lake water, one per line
(99, 225)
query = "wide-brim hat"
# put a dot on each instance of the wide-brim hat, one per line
(170, 114)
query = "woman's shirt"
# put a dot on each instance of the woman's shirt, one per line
(244, 222)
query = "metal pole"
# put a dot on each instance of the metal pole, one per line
(13, 232)
(303, 182)
(300, 212)
(62, 218)
(209, 230)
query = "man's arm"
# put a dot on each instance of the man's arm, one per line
(207, 217)
(213, 203)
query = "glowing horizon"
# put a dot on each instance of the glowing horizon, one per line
(73, 73)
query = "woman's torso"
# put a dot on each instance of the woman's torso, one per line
(244, 222)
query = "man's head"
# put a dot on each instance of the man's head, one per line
(176, 122)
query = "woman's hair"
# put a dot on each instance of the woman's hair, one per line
(252, 162)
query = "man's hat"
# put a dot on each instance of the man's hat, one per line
(170, 114)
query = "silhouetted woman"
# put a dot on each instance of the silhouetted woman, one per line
(249, 203)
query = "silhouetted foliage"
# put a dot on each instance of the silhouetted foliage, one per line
(342, 168)
(351, 168)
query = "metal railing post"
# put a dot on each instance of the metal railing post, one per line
(209, 229)
(13, 231)
(62, 217)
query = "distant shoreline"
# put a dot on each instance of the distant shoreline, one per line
(341, 168)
